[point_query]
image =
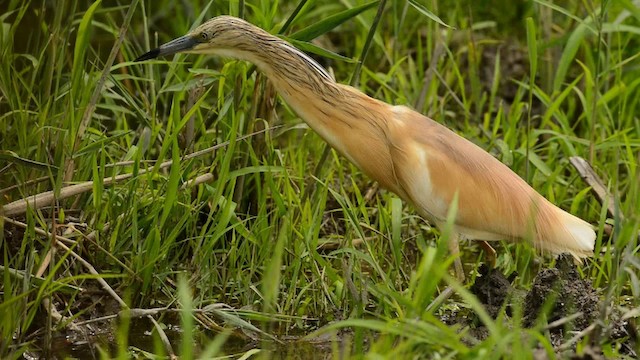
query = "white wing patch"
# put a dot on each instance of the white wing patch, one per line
(421, 189)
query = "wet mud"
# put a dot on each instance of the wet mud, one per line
(561, 301)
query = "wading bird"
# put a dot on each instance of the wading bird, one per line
(423, 162)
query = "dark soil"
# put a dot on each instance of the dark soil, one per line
(566, 293)
(557, 294)
(492, 289)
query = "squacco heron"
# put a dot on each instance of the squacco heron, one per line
(420, 160)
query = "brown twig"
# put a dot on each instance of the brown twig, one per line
(43, 199)
(197, 181)
(597, 185)
(334, 244)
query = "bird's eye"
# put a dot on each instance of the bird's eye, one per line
(204, 36)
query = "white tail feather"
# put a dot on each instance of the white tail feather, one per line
(572, 235)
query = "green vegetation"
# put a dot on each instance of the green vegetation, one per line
(221, 214)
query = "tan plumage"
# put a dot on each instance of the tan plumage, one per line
(420, 160)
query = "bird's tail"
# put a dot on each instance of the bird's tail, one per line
(565, 233)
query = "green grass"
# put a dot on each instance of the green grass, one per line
(534, 84)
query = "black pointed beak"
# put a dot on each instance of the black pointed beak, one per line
(174, 46)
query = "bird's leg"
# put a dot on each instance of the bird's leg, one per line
(454, 249)
(489, 253)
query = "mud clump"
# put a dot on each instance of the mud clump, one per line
(561, 292)
(492, 289)
(557, 293)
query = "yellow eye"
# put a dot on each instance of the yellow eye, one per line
(204, 36)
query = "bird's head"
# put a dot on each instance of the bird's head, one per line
(216, 36)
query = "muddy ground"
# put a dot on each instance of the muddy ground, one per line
(567, 306)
